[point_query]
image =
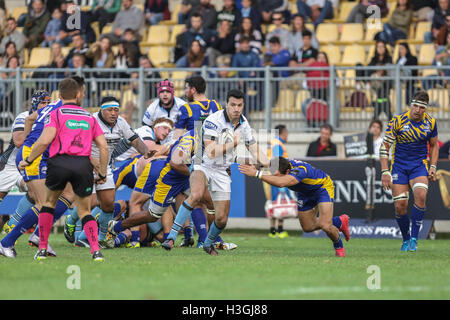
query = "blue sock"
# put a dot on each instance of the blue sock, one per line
(72, 216)
(23, 206)
(187, 231)
(403, 224)
(165, 235)
(103, 220)
(118, 227)
(337, 222)
(29, 219)
(218, 239)
(117, 208)
(135, 236)
(78, 230)
(61, 207)
(120, 240)
(338, 244)
(199, 220)
(417, 214)
(213, 234)
(95, 211)
(183, 214)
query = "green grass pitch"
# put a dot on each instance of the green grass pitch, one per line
(260, 268)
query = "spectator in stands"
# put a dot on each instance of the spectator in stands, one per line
(277, 56)
(223, 44)
(101, 53)
(130, 17)
(246, 30)
(104, 11)
(130, 37)
(78, 60)
(307, 54)
(10, 52)
(440, 12)
(156, 11)
(79, 46)
(280, 31)
(195, 58)
(229, 13)
(14, 35)
(7, 89)
(398, 25)
(376, 129)
(444, 31)
(51, 33)
(296, 37)
(381, 55)
(405, 58)
(442, 58)
(268, 7)
(316, 10)
(35, 24)
(127, 57)
(359, 13)
(185, 10)
(250, 11)
(319, 88)
(423, 9)
(69, 28)
(196, 32)
(323, 147)
(444, 151)
(208, 13)
(57, 61)
(245, 58)
(382, 88)
(2, 18)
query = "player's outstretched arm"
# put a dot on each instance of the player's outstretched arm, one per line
(141, 147)
(434, 154)
(47, 136)
(277, 181)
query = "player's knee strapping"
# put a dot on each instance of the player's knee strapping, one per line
(401, 196)
(420, 185)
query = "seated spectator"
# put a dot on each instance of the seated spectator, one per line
(405, 58)
(279, 31)
(440, 12)
(306, 55)
(51, 34)
(208, 13)
(323, 147)
(442, 58)
(381, 55)
(382, 88)
(2, 17)
(130, 17)
(195, 58)
(423, 9)
(57, 58)
(196, 32)
(319, 88)
(269, 7)
(229, 13)
(104, 11)
(35, 24)
(127, 57)
(78, 46)
(443, 32)
(7, 90)
(359, 13)
(185, 10)
(101, 53)
(223, 44)
(69, 28)
(78, 60)
(10, 52)
(130, 37)
(14, 35)
(250, 11)
(245, 58)
(277, 56)
(156, 11)
(398, 25)
(296, 37)
(246, 30)
(316, 10)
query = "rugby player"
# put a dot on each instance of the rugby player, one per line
(410, 132)
(315, 195)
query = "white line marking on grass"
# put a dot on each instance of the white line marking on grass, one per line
(312, 290)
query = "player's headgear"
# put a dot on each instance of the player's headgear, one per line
(38, 97)
(165, 85)
(420, 99)
(109, 102)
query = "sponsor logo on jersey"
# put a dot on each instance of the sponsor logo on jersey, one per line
(210, 125)
(74, 124)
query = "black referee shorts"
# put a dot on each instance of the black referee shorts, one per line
(74, 169)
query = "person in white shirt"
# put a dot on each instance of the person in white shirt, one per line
(222, 131)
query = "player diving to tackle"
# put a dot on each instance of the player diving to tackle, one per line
(409, 133)
(315, 194)
(221, 133)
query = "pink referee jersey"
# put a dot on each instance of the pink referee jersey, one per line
(76, 129)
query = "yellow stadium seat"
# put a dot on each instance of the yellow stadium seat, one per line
(344, 12)
(178, 78)
(370, 34)
(333, 53)
(353, 54)
(352, 32)
(26, 55)
(428, 72)
(95, 27)
(157, 35)
(286, 99)
(86, 8)
(128, 96)
(176, 30)
(346, 78)
(310, 26)
(55, 95)
(327, 32)
(391, 6)
(439, 98)
(301, 96)
(272, 27)
(112, 93)
(39, 57)
(422, 27)
(159, 55)
(173, 16)
(107, 29)
(426, 54)
(140, 6)
(18, 11)
(395, 54)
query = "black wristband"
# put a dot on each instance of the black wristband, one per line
(28, 161)
(101, 177)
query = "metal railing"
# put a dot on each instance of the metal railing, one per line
(302, 98)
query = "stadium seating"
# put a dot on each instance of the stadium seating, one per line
(333, 53)
(351, 33)
(18, 11)
(301, 96)
(327, 33)
(395, 54)
(439, 99)
(128, 96)
(353, 54)
(426, 54)
(159, 55)
(39, 57)
(157, 35)
(176, 30)
(54, 95)
(345, 9)
(272, 27)
(421, 28)
(173, 16)
(370, 34)
(286, 99)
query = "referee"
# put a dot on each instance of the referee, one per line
(70, 131)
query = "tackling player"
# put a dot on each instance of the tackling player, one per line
(315, 194)
(410, 133)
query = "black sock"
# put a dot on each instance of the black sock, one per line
(272, 230)
(280, 229)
